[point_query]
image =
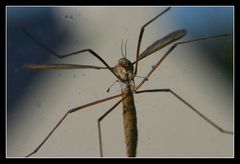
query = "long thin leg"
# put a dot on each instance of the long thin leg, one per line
(61, 66)
(70, 54)
(190, 106)
(141, 35)
(99, 125)
(172, 48)
(65, 115)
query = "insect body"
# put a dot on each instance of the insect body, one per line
(125, 72)
(130, 122)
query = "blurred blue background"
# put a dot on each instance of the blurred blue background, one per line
(41, 22)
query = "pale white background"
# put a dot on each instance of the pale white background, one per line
(167, 127)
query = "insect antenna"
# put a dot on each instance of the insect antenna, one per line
(126, 49)
(122, 49)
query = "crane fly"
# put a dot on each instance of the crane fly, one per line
(125, 71)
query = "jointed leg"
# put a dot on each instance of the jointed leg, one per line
(172, 48)
(99, 125)
(49, 134)
(70, 54)
(141, 34)
(71, 111)
(190, 106)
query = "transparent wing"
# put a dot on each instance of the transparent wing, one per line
(159, 44)
(62, 66)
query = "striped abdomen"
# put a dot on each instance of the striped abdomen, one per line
(130, 123)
